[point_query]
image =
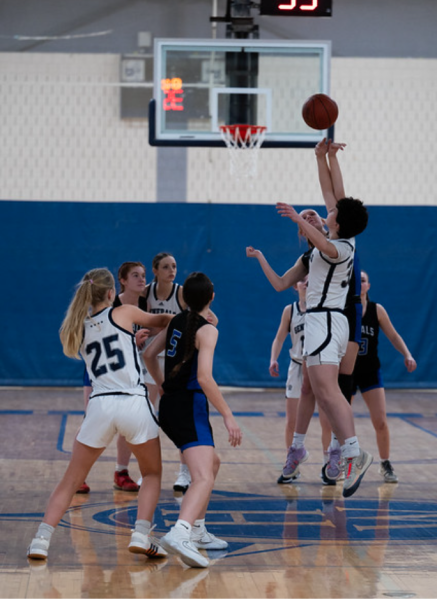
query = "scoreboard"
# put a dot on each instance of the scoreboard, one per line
(296, 8)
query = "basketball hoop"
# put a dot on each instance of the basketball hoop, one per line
(243, 143)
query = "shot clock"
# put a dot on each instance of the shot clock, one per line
(296, 8)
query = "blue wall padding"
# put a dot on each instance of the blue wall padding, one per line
(48, 246)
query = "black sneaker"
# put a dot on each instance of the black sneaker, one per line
(291, 479)
(387, 472)
(325, 479)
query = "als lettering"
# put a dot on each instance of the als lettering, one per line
(102, 355)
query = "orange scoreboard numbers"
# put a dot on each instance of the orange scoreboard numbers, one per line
(173, 94)
(296, 8)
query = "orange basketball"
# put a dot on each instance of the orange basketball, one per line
(320, 111)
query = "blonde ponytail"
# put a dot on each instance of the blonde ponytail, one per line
(90, 291)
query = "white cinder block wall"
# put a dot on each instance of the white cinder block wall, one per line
(63, 139)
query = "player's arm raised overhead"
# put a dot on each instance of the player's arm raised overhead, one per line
(330, 178)
(336, 176)
(316, 237)
(279, 282)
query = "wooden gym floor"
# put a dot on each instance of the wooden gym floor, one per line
(294, 541)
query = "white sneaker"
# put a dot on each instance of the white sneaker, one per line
(183, 481)
(145, 544)
(39, 548)
(207, 541)
(177, 541)
(355, 469)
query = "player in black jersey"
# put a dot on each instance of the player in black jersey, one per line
(367, 372)
(189, 343)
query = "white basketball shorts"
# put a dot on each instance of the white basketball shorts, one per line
(106, 416)
(326, 337)
(294, 380)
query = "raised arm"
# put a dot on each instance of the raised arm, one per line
(279, 283)
(326, 185)
(336, 176)
(394, 337)
(316, 237)
(279, 340)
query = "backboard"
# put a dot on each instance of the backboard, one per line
(201, 84)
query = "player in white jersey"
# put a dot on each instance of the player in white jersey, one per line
(326, 327)
(293, 324)
(118, 404)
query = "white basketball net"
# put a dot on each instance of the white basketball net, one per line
(243, 143)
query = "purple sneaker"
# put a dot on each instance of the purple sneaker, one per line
(295, 457)
(333, 466)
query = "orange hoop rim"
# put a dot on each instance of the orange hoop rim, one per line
(242, 130)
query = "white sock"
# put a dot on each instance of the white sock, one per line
(298, 440)
(119, 468)
(143, 526)
(45, 531)
(184, 526)
(350, 448)
(325, 457)
(334, 442)
(198, 528)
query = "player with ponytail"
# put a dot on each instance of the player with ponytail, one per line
(189, 343)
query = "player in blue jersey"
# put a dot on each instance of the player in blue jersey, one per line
(189, 343)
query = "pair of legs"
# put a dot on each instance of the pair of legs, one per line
(375, 400)
(203, 463)
(124, 454)
(83, 457)
(153, 393)
(346, 370)
(291, 408)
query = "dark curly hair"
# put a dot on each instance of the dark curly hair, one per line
(352, 217)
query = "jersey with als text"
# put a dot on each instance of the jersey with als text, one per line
(111, 356)
(296, 328)
(367, 359)
(328, 279)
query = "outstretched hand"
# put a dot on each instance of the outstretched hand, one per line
(251, 252)
(334, 147)
(321, 148)
(286, 210)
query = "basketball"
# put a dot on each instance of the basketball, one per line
(320, 111)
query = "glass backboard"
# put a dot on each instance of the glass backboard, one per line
(200, 85)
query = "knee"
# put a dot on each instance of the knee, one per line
(216, 464)
(381, 426)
